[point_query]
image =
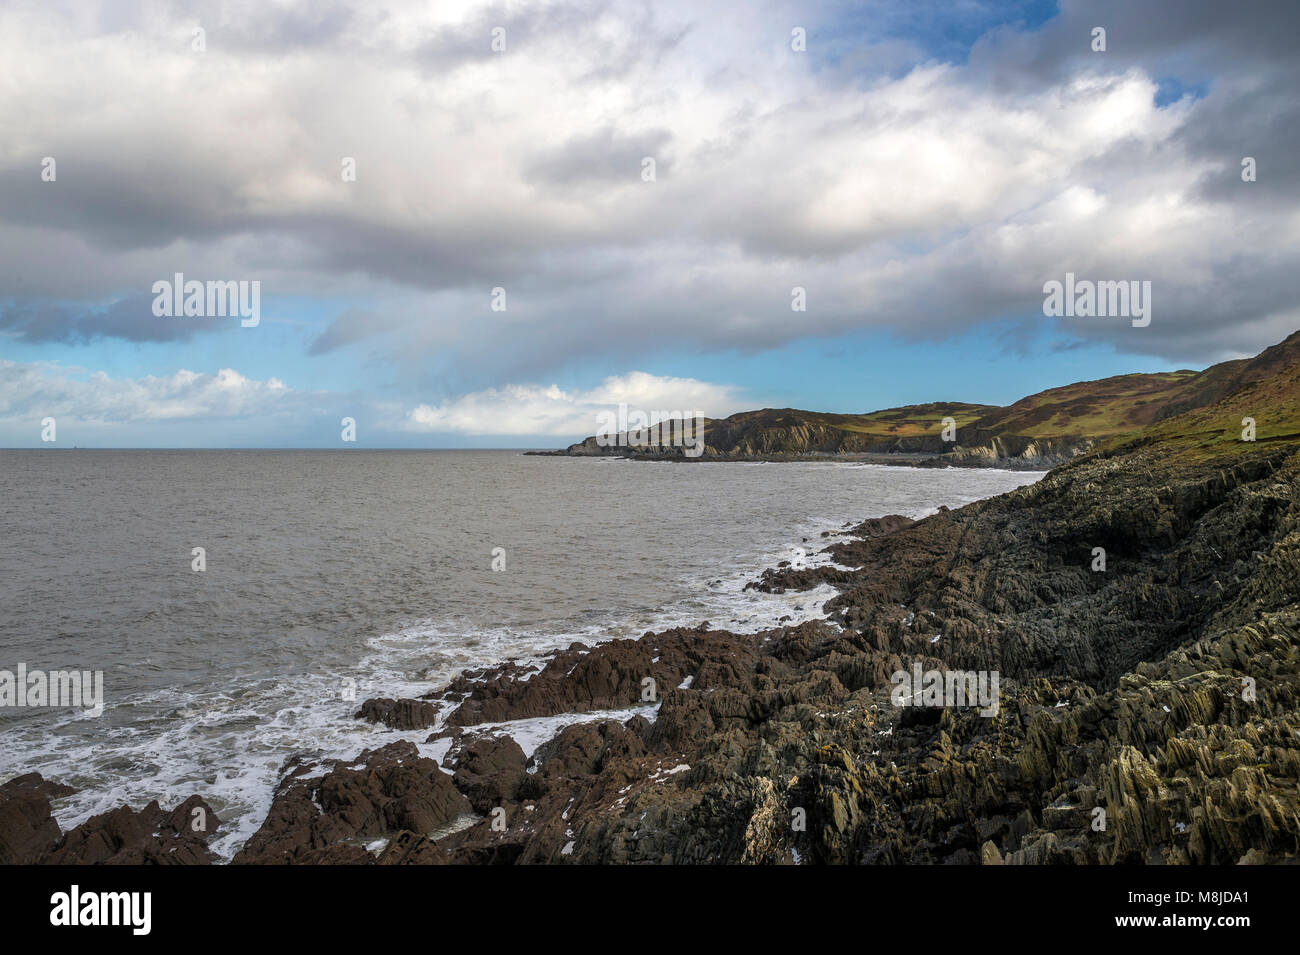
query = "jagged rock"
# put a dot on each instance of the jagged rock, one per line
(490, 771)
(399, 714)
(30, 835)
(608, 676)
(152, 836)
(28, 832)
(324, 818)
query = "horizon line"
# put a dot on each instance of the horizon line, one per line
(249, 448)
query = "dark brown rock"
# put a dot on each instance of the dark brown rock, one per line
(28, 832)
(152, 836)
(489, 771)
(608, 676)
(323, 819)
(399, 714)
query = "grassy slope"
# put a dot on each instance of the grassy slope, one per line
(1202, 433)
(1109, 408)
(907, 421)
(1095, 409)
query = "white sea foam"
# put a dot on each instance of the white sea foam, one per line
(231, 745)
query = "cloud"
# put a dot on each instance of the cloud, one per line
(31, 391)
(129, 318)
(549, 410)
(926, 198)
(350, 326)
(604, 157)
(34, 390)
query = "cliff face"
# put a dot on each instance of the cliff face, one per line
(788, 434)
(1041, 430)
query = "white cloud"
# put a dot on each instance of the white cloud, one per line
(34, 390)
(548, 410)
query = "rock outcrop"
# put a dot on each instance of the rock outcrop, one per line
(29, 834)
(152, 836)
(327, 817)
(28, 831)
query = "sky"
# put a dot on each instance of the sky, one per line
(486, 224)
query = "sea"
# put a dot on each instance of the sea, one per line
(240, 604)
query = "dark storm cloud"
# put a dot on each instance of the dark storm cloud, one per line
(114, 202)
(1260, 121)
(1198, 38)
(131, 319)
(1244, 52)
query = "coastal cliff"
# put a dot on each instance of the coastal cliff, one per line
(1039, 431)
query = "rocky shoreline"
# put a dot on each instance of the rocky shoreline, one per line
(1139, 608)
(982, 457)
(1120, 690)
